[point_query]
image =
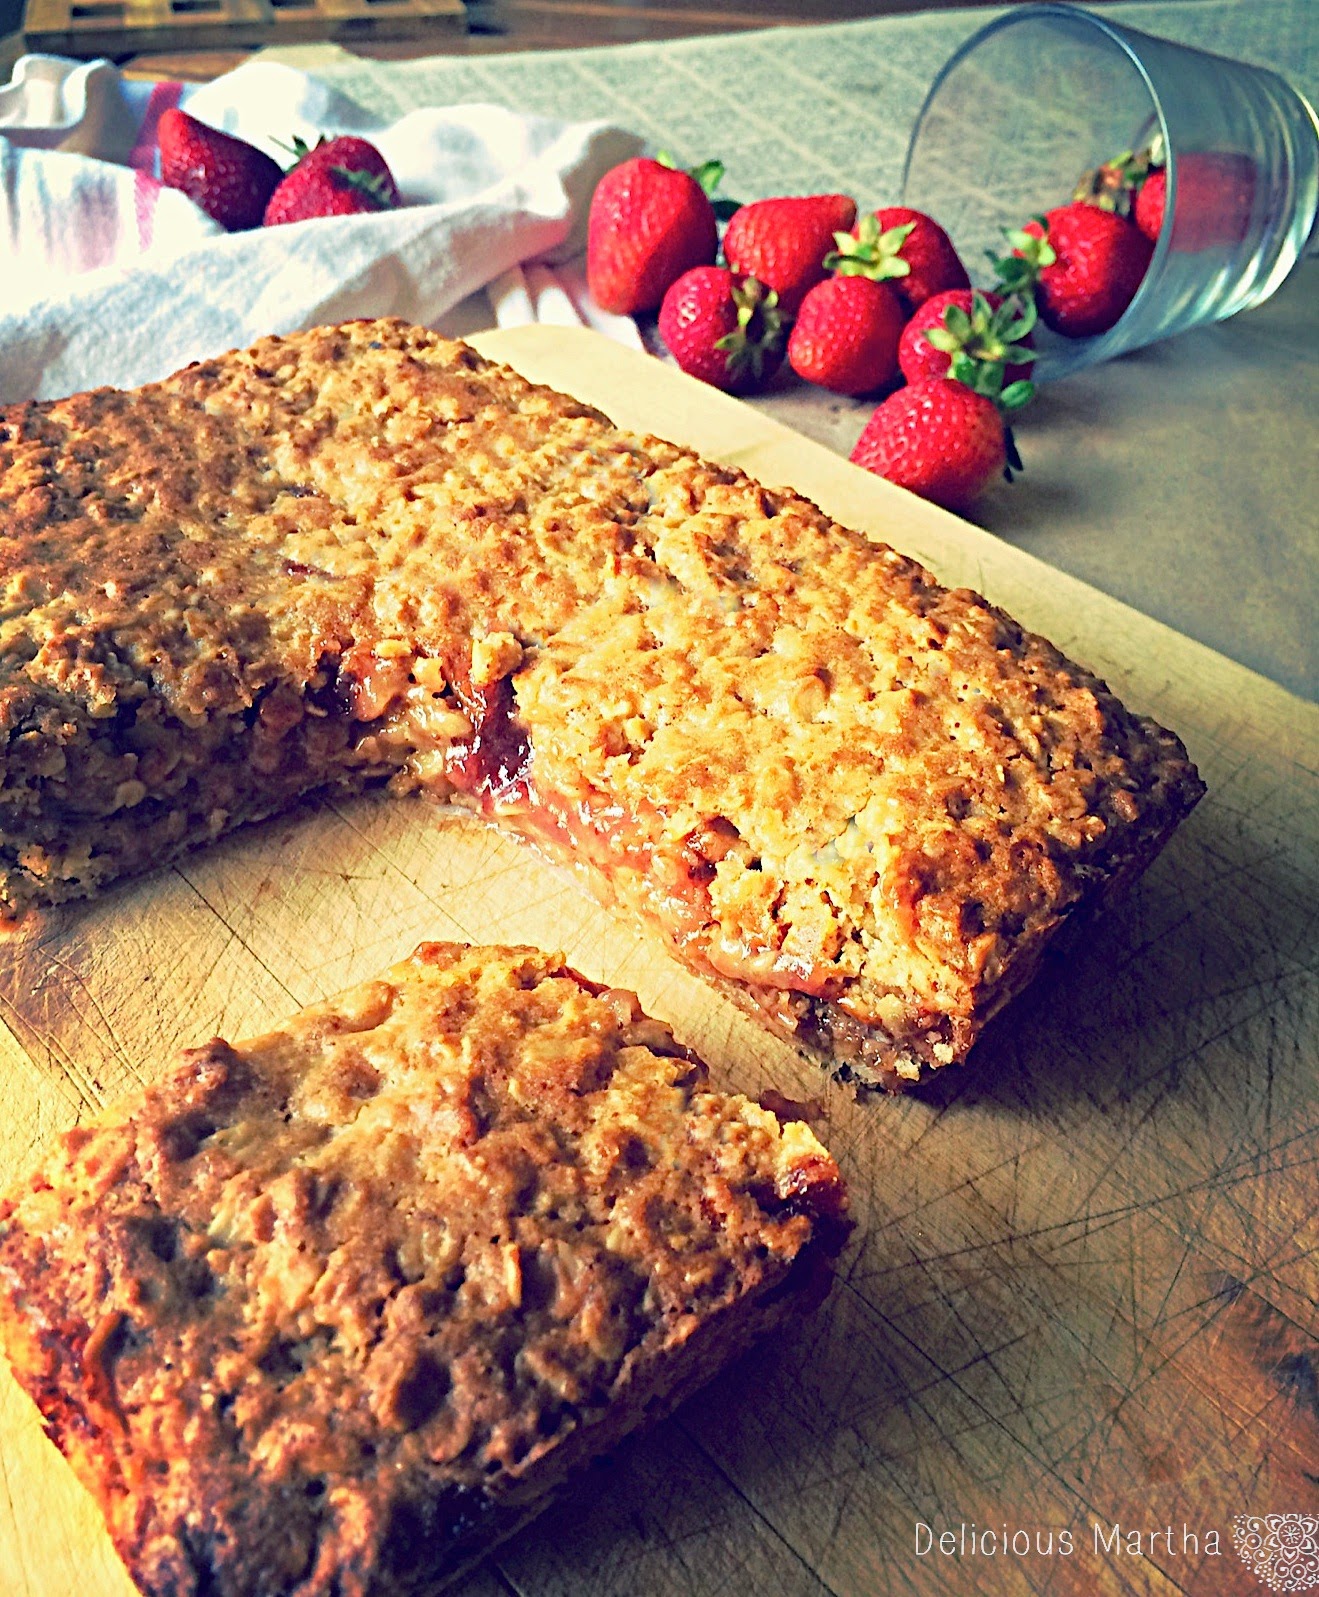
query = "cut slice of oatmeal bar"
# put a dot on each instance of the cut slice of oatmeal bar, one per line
(332, 1310)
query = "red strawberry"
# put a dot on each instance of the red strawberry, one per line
(905, 246)
(1151, 203)
(229, 179)
(722, 328)
(846, 335)
(1088, 264)
(648, 224)
(984, 327)
(939, 439)
(783, 242)
(346, 176)
(1215, 198)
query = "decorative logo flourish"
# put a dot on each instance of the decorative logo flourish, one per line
(1281, 1549)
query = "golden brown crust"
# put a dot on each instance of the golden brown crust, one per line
(329, 1310)
(362, 553)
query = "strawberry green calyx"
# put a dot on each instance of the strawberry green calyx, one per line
(376, 186)
(709, 175)
(372, 184)
(985, 342)
(298, 147)
(869, 252)
(1018, 273)
(1013, 397)
(1113, 186)
(759, 330)
(986, 379)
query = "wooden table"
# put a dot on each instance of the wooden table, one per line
(498, 26)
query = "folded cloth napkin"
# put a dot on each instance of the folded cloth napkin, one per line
(107, 277)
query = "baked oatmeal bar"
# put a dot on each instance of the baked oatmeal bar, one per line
(859, 801)
(333, 1310)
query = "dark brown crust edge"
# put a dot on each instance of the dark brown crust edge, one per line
(850, 1052)
(718, 1343)
(435, 1542)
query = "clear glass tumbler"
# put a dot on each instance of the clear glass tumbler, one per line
(1048, 92)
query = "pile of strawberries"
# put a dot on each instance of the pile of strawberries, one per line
(868, 304)
(876, 304)
(240, 186)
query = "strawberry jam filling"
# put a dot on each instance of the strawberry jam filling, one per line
(490, 767)
(494, 770)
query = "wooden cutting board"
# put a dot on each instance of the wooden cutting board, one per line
(1082, 1291)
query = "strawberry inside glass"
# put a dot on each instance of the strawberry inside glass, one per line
(1213, 163)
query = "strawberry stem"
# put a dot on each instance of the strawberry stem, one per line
(1013, 463)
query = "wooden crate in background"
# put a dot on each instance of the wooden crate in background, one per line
(88, 28)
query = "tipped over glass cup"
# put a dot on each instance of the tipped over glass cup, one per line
(1044, 98)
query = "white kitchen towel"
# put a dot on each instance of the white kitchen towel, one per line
(105, 277)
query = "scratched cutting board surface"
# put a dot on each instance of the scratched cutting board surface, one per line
(1082, 1289)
